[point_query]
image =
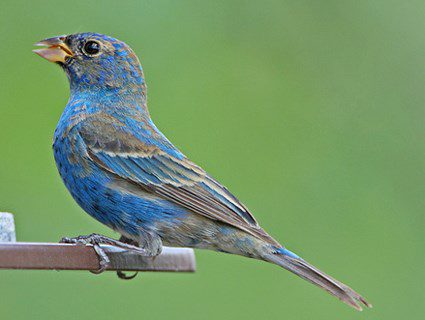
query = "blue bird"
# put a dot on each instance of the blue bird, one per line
(126, 174)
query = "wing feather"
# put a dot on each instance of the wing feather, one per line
(176, 179)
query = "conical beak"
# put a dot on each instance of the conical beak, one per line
(56, 51)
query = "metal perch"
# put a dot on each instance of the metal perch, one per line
(59, 256)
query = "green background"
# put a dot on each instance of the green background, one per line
(312, 112)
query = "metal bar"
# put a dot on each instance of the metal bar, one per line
(58, 256)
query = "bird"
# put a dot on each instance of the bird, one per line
(126, 174)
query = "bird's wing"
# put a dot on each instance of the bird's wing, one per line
(169, 175)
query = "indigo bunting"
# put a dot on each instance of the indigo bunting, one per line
(126, 174)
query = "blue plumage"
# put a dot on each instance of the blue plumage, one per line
(126, 174)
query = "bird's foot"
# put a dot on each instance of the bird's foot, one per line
(96, 240)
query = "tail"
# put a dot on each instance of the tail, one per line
(303, 269)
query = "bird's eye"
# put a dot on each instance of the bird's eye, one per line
(91, 48)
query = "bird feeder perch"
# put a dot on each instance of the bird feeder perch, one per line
(61, 256)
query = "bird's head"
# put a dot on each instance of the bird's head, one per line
(95, 62)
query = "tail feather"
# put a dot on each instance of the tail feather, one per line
(303, 269)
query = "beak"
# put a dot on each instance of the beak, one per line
(56, 51)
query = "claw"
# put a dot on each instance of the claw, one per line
(103, 259)
(123, 276)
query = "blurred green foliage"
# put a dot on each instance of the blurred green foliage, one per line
(312, 112)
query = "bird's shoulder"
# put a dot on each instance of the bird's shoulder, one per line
(124, 134)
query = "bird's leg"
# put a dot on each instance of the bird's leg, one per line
(96, 240)
(120, 273)
(149, 241)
